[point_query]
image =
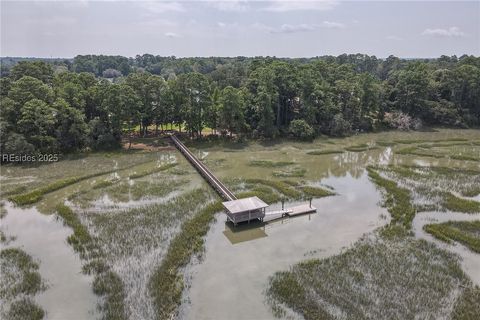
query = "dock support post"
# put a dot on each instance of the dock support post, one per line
(310, 202)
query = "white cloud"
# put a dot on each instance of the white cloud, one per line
(450, 32)
(288, 28)
(231, 5)
(286, 5)
(294, 28)
(172, 35)
(333, 25)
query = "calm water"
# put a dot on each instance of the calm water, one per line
(69, 294)
(230, 282)
(469, 260)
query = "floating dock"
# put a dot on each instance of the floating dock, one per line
(301, 209)
(289, 212)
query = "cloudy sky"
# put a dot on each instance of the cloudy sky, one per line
(232, 28)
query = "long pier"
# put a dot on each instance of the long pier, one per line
(216, 184)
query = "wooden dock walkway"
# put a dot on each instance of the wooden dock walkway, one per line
(216, 184)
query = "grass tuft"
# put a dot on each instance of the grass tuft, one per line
(321, 152)
(269, 164)
(464, 232)
(396, 199)
(152, 171)
(166, 284)
(454, 203)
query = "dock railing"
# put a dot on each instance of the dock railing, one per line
(203, 170)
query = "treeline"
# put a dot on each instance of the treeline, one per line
(95, 100)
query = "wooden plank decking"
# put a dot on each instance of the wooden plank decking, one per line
(301, 209)
(216, 184)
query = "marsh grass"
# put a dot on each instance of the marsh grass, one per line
(454, 203)
(13, 191)
(322, 152)
(439, 151)
(419, 152)
(265, 193)
(359, 148)
(166, 284)
(19, 274)
(280, 186)
(25, 309)
(36, 194)
(385, 143)
(464, 232)
(20, 280)
(3, 210)
(147, 172)
(467, 307)
(417, 141)
(106, 283)
(437, 188)
(291, 173)
(104, 183)
(316, 192)
(375, 279)
(135, 242)
(397, 200)
(269, 164)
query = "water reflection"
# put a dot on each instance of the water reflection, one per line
(240, 272)
(69, 294)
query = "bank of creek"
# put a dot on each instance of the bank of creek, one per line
(134, 206)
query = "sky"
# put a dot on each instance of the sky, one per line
(409, 29)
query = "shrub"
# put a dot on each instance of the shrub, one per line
(300, 129)
(340, 127)
(401, 121)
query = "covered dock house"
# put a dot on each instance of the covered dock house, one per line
(245, 209)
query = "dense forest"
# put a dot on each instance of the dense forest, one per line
(91, 102)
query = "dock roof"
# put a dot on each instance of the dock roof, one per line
(245, 204)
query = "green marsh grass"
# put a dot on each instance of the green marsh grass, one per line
(467, 307)
(375, 279)
(322, 152)
(269, 164)
(20, 274)
(464, 232)
(316, 192)
(166, 284)
(454, 203)
(359, 148)
(292, 173)
(36, 194)
(280, 186)
(148, 172)
(24, 309)
(19, 282)
(433, 188)
(397, 200)
(106, 283)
